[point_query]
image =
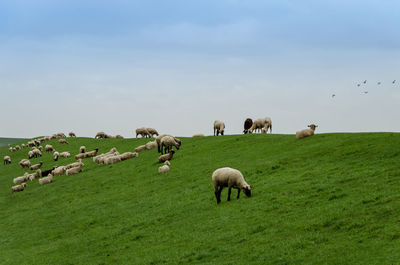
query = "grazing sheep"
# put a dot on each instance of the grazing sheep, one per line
(100, 135)
(72, 134)
(36, 153)
(159, 138)
(127, 155)
(73, 170)
(25, 163)
(75, 164)
(56, 155)
(167, 142)
(258, 124)
(61, 135)
(10, 149)
(35, 175)
(268, 125)
(46, 180)
(7, 160)
(247, 125)
(82, 149)
(167, 163)
(140, 148)
(23, 146)
(30, 154)
(143, 132)
(49, 148)
(119, 136)
(41, 148)
(152, 131)
(231, 178)
(150, 145)
(21, 179)
(58, 171)
(47, 172)
(36, 166)
(306, 132)
(17, 148)
(198, 135)
(163, 158)
(65, 154)
(219, 127)
(163, 169)
(62, 141)
(18, 188)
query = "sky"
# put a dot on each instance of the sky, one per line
(178, 65)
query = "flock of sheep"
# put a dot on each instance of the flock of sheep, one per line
(222, 177)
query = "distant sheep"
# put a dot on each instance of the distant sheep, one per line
(49, 148)
(167, 163)
(140, 148)
(127, 155)
(87, 154)
(75, 164)
(72, 134)
(198, 135)
(7, 160)
(65, 154)
(36, 166)
(247, 125)
(169, 156)
(112, 159)
(25, 163)
(82, 149)
(58, 171)
(62, 141)
(143, 132)
(231, 178)
(100, 135)
(46, 180)
(18, 188)
(119, 136)
(219, 127)
(150, 145)
(306, 132)
(37, 153)
(35, 175)
(73, 170)
(30, 154)
(152, 131)
(261, 123)
(17, 148)
(163, 169)
(56, 155)
(21, 179)
(167, 142)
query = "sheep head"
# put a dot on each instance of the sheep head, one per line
(313, 126)
(247, 191)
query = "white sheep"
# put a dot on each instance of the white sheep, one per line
(25, 163)
(231, 178)
(46, 180)
(35, 175)
(159, 138)
(143, 132)
(259, 124)
(198, 135)
(169, 156)
(167, 142)
(18, 188)
(58, 171)
(87, 154)
(21, 179)
(219, 127)
(150, 145)
(37, 153)
(167, 163)
(49, 148)
(75, 164)
(152, 131)
(17, 148)
(112, 159)
(163, 169)
(72, 134)
(306, 132)
(7, 160)
(127, 155)
(56, 155)
(82, 149)
(36, 166)
(73, 170)
(62, 141)
(65, 154)
(23, 145)
(140, 148)
(100, 135)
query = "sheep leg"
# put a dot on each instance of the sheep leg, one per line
(229, 193)
(238, 194)
(217, 193)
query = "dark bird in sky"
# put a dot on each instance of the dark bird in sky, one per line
(365, 81)
(365, 92)
(358, 84)
(394, 81)
(379, 83)
(333, 95)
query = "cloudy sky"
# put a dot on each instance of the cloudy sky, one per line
(178, 65)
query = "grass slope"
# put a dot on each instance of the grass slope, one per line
(7, 141)
(327, 199)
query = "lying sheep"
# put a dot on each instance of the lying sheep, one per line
(35, 175)
(36, 153)
(169, 156)
(219, 127)
(65, 154)
(127, 155)
(112, 159)
(140, 148)
(46, 180)
(73, 170)
(152, 132)
(72, 134)
(18, 188)
(306, 132)
(247, 125)
(143, 132)
(75, 164)
(82, 149)
(7, 160)
(150, 145)
(231, 178)
(100, 135)
(62, 141)
(21, 179)
(25, 163)
(167, 163)
(36, 166)
(49, 148)
(58, 171)
(167, 142)
(87, 154)
(198, 135)
(163, 169)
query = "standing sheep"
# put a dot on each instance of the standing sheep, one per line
(65, 154)
(198, 135)
(152, 131)
(25, 163)
(100, 135)
(167, 142)
(36, 166)
(72, 134)
(166, 157)
(159, 138)
(306, 132)
(62, 141)
(49, 148)
(219, 128)
(143, 132)
(18, 188)
(231, 178)
(247, 125)
(7, 160)
(82, 149)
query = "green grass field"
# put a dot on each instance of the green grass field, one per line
(327, 199)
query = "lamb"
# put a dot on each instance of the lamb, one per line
(150, 145)
(35, 175)
(140, 148)
(58, 171)
(36, 166)
(127, 155)
(62, 141)
(25, 163)
(82, 149)
(143, 132)
(167, 142)
(46, 180)
(152, 131)
(247, 125)
(65, 154)
(21, 179)
(306, 132)
(198, 135)
(49, 148)
(73, 170)
(18, 188)
(72, 134)
(231, 178)
(166, 157)
(75, 164)
(100, 135)
(158, 140)
(219, 127)
(163, 169)
(7, 160)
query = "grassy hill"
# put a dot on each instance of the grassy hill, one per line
(7, 141)
(327, 199)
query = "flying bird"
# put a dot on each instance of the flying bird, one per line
(379, 83)
(365, 81)
(365, 92)
(333, 95)
(358, 84)
(394, 81)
